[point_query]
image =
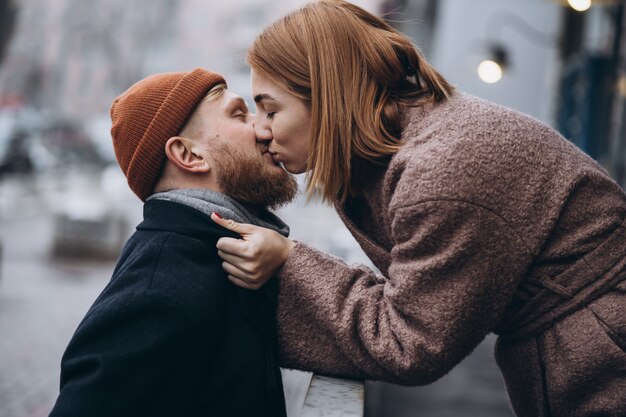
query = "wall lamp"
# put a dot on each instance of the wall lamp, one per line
(584, 5)
(498, 60)
(490, 70)
(494, 66)
(579, 5)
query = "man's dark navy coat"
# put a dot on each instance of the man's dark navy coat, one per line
(170, 335)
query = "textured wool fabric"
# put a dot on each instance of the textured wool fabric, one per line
(150, 112)
(487, 220)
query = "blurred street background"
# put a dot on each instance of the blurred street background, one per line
(65, 209)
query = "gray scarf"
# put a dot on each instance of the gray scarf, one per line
(208, 201)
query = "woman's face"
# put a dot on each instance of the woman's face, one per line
(284, 121)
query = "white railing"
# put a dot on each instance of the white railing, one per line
(333, 397)
(309, 395)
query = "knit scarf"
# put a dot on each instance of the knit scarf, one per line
(207, 202)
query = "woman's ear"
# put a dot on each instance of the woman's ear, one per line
(179, 151)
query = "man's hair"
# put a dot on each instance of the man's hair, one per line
(355, 72)
(192, 127)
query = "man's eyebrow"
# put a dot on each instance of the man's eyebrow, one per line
(237, 101)
(260, 97)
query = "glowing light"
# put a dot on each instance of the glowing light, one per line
(490, 71)
(579, 5)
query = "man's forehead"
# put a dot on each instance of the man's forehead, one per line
(230, 97)
(224, 101)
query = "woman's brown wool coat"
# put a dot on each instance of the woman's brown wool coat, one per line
(487, 220)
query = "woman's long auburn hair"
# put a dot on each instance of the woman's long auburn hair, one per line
(355, 73)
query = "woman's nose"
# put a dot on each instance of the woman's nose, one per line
(262, 130)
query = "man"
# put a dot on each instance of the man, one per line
(170, 335)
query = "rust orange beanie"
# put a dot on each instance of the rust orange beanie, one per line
(150, 112)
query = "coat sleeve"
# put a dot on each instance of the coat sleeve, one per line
(141, 355)
(454, 269)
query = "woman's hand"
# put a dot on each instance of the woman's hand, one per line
(251, 261)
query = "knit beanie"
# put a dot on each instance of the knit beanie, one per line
(150, 112)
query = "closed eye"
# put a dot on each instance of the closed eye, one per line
(237, 108)
(270, 115)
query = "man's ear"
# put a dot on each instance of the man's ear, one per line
(179, 151)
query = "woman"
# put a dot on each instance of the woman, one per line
(480, 219)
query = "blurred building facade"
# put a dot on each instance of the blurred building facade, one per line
(70, 58)
(563, 66)
(592, 84)
(74, 56)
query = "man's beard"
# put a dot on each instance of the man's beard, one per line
(246, 177)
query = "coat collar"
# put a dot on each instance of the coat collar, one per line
(178, 218)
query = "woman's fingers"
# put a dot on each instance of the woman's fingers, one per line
(254, 258)
(235, 247)
(240, 278)
(231, 258)
(240, 228)
(243, 269)
(247, 269)
(225, 223)
(235, 271)
(244, 248)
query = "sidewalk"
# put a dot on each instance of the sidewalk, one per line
(41, 303)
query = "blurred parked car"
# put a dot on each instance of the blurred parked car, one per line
(16, 159)
(91, 216)
(32, 143)
(64, 168)
(88, 228)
